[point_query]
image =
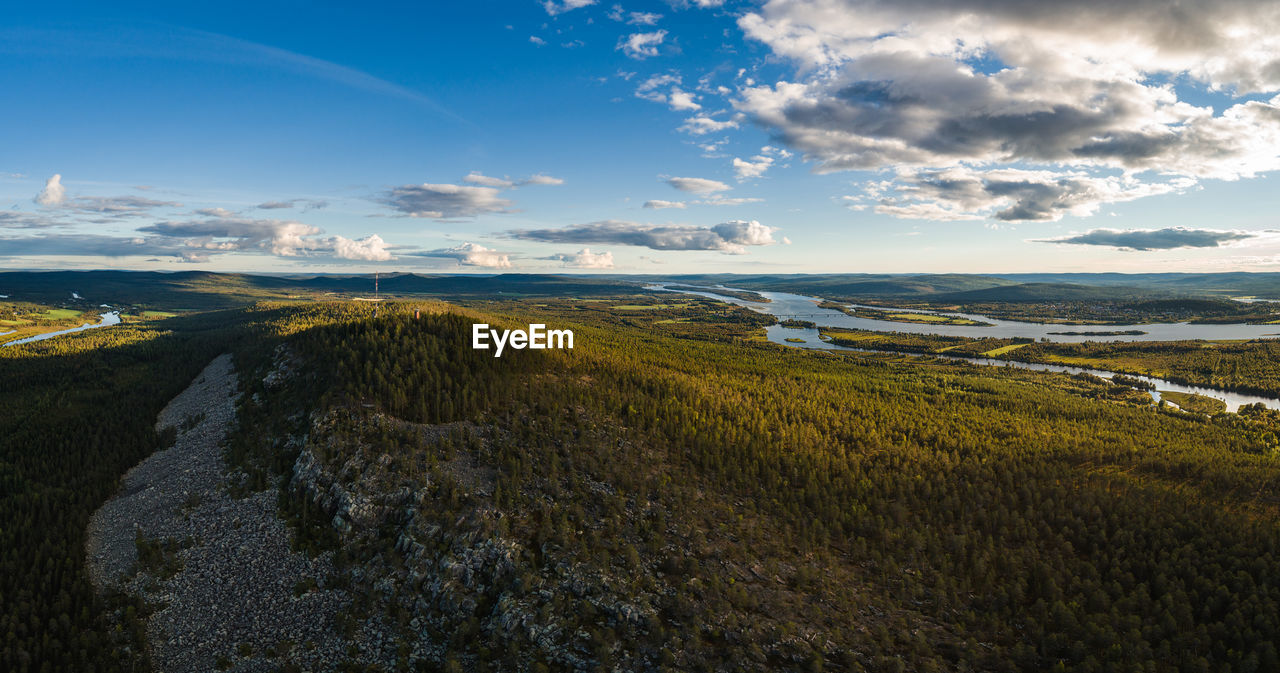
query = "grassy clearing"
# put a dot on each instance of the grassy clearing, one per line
(852, 336)
(794, 340)
(1002, 350)
(1194, 403)
(58, 314)
(646, 307)
(931, 318)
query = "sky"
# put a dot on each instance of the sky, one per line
(685, 136)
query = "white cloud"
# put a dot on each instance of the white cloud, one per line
(717, 200)
(703, 124)
(652, 89)
(682, 100)
(698, 185)
(284, 238)
(370, 248)
(955, 194)
(659, 204)
(534, 39)
(642, 45)
(1071, 87)
(54, 193)
(754, 168)
(643, 18)
(471, 254)
(554, 8)
(444, 201)
(540, 179)
(585, 259)
(476, 178)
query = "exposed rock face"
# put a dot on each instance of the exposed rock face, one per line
(457, 575)
(230, 594)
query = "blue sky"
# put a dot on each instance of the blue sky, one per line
(659, 137)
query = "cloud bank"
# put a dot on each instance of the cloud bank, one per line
(1145, 240)
(1079, 88)
(731, 237)
(445, 201)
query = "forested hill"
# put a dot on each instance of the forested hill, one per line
(651, 501)
(671, 494)
(204, 290)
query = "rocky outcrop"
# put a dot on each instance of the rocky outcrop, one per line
(228, 591)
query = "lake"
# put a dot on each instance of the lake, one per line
(787, 305)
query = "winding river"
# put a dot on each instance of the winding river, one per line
(108, 319)
(786, 305)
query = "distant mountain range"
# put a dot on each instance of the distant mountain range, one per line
(205, 290)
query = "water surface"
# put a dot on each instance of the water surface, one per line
(108, 319)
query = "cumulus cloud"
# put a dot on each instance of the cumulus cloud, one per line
(54, 193)
(540, 179)
(665, 89)
(537, 40)
(754, 168)
(471, 254)
(370, 248)
(444, 201)
(659, 204)
(585, 259)
(702, 125)
(642, 45)
(285, 238)
(697, 185)
(1068, 87)
(1006, 194)
(643, 18)
(554, 8)
(1169, 238)
(682, 100)
(728, 237)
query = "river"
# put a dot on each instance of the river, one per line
(108, 319)
(783, 304)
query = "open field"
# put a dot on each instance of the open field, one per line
(996, 352)
(901, 316)
(1194, 403)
